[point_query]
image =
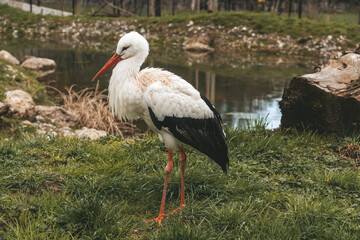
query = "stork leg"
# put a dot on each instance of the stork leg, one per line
(182, 163)
(168, 169)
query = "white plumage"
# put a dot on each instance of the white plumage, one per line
(170, 106)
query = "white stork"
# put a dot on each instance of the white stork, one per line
(169, 105)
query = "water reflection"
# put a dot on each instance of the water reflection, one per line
(243, 88)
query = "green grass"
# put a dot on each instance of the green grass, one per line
(351, 17)
(280, 185)
(263, 23)
(348, 17)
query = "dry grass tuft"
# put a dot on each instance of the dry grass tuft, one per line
(351, 151)
(91, 107)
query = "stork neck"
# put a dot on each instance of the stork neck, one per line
(126, 69)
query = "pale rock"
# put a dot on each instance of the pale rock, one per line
(198, 47)
(21, 104)
(66, 132)
(27, 122)
(57, 115)
(198, 44)
(39, 118)
(53, 134)
(90, 133)
(8, 57)
(47, 126)
(40, 132)
(39, 64)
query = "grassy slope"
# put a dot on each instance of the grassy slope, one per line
(260, 22)
(14, 77)
(281, 185)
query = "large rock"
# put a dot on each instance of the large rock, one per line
(39, 64)
(21, 104)
(198, 45)
(328, 100)
(57, 115)
(90, 133)
(8, 57)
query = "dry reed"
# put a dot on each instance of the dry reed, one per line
(91, 107)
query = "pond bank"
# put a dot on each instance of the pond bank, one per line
(22, 96)
(226, 32)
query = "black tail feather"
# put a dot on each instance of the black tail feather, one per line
(205, 135)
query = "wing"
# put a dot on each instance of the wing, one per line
(189, 117)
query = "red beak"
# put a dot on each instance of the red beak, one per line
(112, 62)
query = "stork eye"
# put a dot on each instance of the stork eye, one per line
(124, 48)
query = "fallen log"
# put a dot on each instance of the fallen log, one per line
(327, 100)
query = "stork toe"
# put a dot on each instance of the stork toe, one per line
(158, 219)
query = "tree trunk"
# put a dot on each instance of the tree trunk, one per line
(198, 7)
(114, 9)
(280, 9)
(328, 100)
(192, 5)
(152, 8)
(141, 8)
(121, 5)
(173, 7)
(212, 6)
(157, 8)
(147, 8)
(290, 7)
(300, 8)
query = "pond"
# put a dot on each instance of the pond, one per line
(242, 86)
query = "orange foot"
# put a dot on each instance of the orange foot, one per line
(175, 210)
(158, 219)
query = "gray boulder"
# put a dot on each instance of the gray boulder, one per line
(8, 57)
(21, 104)
(39, 64)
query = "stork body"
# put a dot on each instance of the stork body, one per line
(169, 105)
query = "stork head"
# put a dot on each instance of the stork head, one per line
(131, 46)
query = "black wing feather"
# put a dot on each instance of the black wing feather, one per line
(205, 135)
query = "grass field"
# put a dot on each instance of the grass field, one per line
(281, 185)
